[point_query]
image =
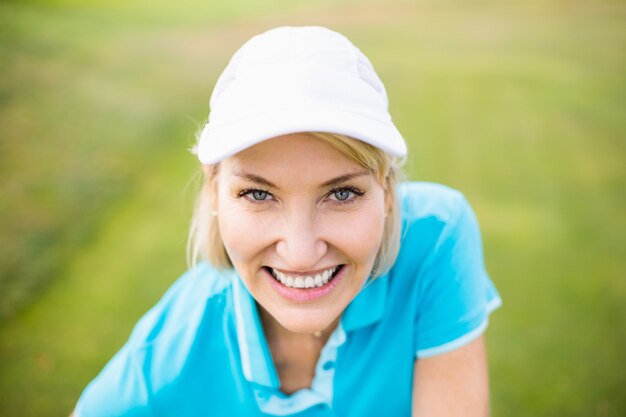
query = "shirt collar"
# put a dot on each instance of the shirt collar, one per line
(368, 306)
(256, 360)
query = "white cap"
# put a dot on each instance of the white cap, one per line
(297, 79)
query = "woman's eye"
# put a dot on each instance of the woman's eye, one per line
(259, 195)
(345, 195)
(342, 195)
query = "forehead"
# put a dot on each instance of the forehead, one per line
(292, 157)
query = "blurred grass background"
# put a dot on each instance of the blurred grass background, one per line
(520, 104)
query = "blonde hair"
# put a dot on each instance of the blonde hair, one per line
(204, 237)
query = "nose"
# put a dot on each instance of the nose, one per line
(300, 244)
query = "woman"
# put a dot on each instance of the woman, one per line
(329, 288)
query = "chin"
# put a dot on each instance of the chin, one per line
(303, 324)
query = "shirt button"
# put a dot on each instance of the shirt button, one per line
(328, 365)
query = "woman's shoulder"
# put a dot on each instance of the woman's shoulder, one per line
(200, 291)
(160, 357)
(428, 200)
(434, 214)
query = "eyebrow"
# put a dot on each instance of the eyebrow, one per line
(344, 178)
(255, 178)
(333, 181)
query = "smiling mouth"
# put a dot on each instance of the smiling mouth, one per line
(305, 281)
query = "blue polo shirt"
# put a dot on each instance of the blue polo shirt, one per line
(201, 350)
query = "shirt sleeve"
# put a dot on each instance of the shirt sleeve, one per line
(456, 294)
(119, 390)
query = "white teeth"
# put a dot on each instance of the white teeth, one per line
(318, 280)
(309, 281)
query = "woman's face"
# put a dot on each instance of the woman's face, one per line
(302, 225)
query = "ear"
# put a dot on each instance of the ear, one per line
(211, 178)
(389, 198)
(388, 203)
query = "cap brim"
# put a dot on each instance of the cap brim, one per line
(222, 141)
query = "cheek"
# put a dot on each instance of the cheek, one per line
(244, 236)
(359, 233)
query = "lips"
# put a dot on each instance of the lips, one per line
(304, 287)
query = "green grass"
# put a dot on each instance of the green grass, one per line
(521, 105)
